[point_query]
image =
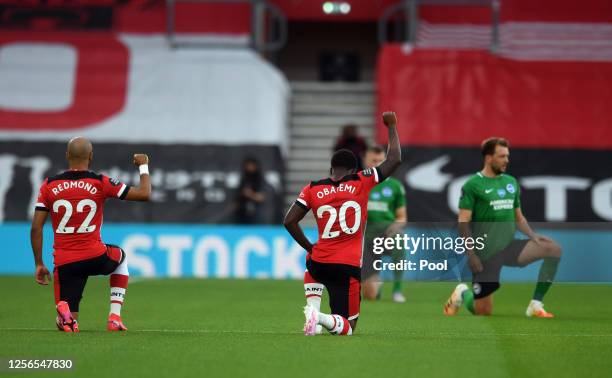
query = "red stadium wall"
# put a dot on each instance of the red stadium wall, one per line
(100, 84)
(234, 18)
(132, 17)
(312, 10)
(557, 10)
(556, 114)
(515, 10)
(131, 92)
(457, 98)
(523, 10)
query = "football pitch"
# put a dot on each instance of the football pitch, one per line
(252, 328)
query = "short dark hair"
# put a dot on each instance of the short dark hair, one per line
(344, 158)
(376, 150)
(488, 145)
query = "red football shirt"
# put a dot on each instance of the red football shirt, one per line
(75, 200)
(341, 211)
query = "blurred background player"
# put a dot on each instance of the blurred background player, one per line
(352, 141)
(339, 204)
(386, 218)
(250, 196)
(75, 199)
(491, 201)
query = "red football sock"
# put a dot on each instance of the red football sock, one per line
(118, 283)
(313, 291)
(336, 324)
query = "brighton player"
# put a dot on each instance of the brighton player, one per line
(490, 200)
(339, 204)
(75, 199)
(386, 217)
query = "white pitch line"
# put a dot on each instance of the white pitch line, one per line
(222, 331)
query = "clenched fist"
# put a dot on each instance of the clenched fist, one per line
(42, 275)
(140, 159)
(389, 118)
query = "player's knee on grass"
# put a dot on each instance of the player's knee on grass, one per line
(484, 306)
(370, 290)
(483, 297)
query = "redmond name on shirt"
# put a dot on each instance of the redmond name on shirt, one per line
(74, 185)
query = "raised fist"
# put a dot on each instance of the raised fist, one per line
(389, 118)
(140, 159)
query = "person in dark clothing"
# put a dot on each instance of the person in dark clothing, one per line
(351, 141)
(250, 193)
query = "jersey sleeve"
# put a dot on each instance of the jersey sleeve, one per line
(114, 188)
(468, 197)
(400, 198)
(303, 199)
(370, 177)
(517, 198)
(42, 202)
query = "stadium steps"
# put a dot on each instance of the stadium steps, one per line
(319, 111)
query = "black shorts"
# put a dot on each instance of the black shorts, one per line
(70, 279)
(343, 283)
(486, 282)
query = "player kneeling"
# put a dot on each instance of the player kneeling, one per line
(490, 204)
(339, 204)
(75, 199)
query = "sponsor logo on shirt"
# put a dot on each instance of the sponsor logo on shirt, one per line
(502, 204)
(378, 206)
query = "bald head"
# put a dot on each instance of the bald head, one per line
(79, 151)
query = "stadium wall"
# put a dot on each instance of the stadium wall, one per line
(234, 18)
(197, 112)
(556, 115)
(187, 250)
(136, 89)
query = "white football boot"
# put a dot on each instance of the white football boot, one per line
(536, 310)
(312, 320)
(398, 297)
(455, 301)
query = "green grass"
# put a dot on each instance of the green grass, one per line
(234, 328)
